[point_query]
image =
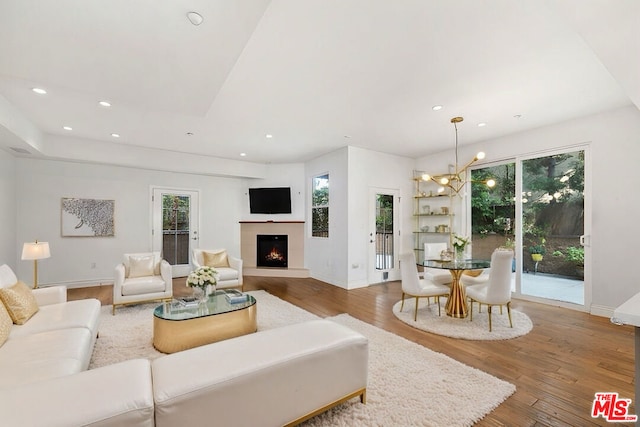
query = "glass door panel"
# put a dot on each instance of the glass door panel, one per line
(553, 215)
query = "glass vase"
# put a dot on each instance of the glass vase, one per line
(459, 254)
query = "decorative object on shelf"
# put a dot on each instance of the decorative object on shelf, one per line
(425, 228)
(446, 255)
(459, 244)
(456, 180)
(203, 281)
(445, 210)
(426, 209)
(35, 251)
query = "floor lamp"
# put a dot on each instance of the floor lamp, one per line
(35, 251)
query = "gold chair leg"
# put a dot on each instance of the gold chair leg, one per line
(470, 310)
(489, 317)
(500, 309)
(415, 314)
(509, 312)
(438, 302)
(402, 305)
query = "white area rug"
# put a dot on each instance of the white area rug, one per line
(409, 385)
(428, 320)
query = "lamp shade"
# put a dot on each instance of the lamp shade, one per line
(35, 250)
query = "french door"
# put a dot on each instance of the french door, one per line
(383, 252)
(175, 226)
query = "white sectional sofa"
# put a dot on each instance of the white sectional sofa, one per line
(270, 378)
(57, 341)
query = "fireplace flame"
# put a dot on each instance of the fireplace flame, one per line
(274, 255)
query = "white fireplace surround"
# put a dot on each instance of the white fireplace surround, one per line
(248, 247)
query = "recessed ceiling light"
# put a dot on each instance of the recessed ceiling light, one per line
(67, 128)
(347, 136)
(482, 125)
(517, 116)
(105, 103)
(436, 107)
(39, 91)
(189, 133)
(195, 18)
(243, 154)
(269, 135)
(115, 135)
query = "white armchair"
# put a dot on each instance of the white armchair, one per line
(142, 277)
(229, 268)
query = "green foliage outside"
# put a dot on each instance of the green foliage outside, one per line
(320, 206)
(384, 213)
(175, 212)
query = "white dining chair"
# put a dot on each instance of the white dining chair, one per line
(497, 289)
(416, 287)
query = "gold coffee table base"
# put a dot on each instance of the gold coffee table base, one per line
(170, 336)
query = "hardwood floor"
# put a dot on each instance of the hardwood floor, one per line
(557, 367)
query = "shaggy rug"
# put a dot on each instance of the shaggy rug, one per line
(478, 329)
(409, 385)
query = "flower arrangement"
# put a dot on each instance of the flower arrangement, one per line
(203, 277)
(459, 242)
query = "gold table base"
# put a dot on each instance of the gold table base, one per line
(457, 301)
(170, 336)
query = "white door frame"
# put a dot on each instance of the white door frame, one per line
(194, 222)
(373, 274)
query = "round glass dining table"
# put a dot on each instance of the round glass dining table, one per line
(457, 301)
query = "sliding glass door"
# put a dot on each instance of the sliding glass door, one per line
(538, 208)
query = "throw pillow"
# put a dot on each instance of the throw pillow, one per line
(216, 259)
(20, 302)
(5, 324)
(141, 266)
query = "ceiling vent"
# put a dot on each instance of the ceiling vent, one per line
(20, 150)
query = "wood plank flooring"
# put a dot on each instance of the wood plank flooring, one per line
(557, 367)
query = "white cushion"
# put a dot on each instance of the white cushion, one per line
(143, 285)
(284, 372)
(227, 273)
(7, 276)
(112, 396)
(45, 355)
(73, 314)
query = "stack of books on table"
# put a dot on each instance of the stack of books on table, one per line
(235, 297)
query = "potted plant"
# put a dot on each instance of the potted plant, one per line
(538, 250)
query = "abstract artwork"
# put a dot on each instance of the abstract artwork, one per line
(87, 217)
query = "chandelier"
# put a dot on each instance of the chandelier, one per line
(456, 180)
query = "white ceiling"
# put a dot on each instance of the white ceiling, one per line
(316, 74)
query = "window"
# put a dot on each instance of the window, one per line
(320, 206)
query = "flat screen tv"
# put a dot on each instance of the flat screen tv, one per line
(276, 200)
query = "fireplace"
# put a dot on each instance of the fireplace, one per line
(272, 250)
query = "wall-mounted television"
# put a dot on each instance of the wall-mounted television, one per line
(275, 200)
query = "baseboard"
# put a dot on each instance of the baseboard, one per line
(601, 310)
(79, 283)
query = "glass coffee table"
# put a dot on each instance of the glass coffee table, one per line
(179, 326)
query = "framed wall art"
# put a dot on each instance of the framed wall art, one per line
(87, 217)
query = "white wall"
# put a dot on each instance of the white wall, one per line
(8, 252)
(371, 169)
(327, 258)
(614, 139)
(279, 175)
(42, 183)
